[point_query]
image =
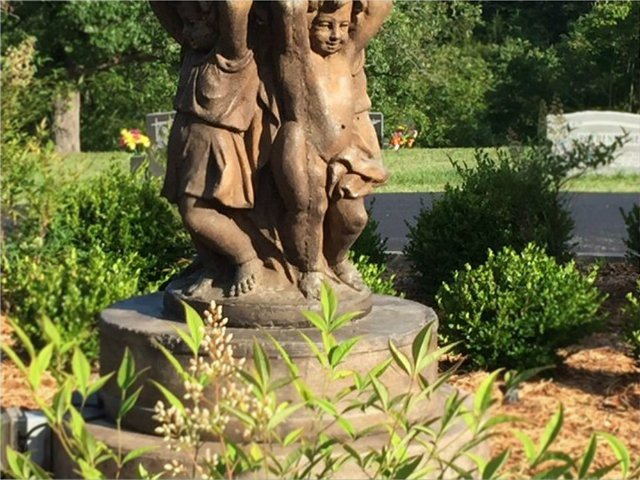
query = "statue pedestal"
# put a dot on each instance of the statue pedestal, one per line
(141, 325)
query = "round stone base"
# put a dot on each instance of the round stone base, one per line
(140, 325)
(258, 308)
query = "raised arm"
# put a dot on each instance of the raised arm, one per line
(368, 21)
(234, 20)
(169, 18)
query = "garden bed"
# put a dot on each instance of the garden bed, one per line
(598, 381)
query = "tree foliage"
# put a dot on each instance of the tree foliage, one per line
(103, 49)
(463, 73)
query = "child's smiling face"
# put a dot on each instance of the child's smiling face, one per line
(330, 30)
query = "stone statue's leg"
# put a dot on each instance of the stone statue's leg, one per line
(301, 179)
(211, 228)
(344, 222)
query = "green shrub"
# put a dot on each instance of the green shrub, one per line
(632, 242)
(632, 328)
(370, 243)
(69, 286)
(79, 247)
(123, 214)
(375, 275)
(514, 310)
(509, 199)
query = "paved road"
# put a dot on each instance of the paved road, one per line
(599, 228)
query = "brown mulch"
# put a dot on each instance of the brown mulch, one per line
(598, 381)
(14, 389)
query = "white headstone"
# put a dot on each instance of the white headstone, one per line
(599, 127)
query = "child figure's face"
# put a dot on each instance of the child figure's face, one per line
(330, 30)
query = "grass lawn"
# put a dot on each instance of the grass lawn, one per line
(429, 170)
(416, 170)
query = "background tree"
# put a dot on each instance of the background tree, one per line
(425, 69)
(95, 54)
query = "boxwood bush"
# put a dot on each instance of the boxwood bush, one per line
(509, 199)
(98, 241)
(516, 309)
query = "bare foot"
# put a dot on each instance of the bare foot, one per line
(247, 276)
(349, 274)
(310, 283)
(201, 286)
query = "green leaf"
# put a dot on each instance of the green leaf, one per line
(421, 343)
(195, 325)
(62, 400)
(291, 365)
(126, 371)
(316, 351)
(381, 392)
(316, 320)
(550, 433)
(245, 418)
(527, 443)
(137, 453)
(39, 365)
(282, 413)
(129, 403)
(25, 341)
(408, 467)
(97, 384)
(81, 370)
(340, 351)
(482, 399)
(77, 423)
(293, 436)
(50, 332)
(188, 341)
(619, 450)
(171, 398)
(431, 357)
(401, 359)
(14, 358)
(553, 472)
(494, 465)
(261, 362)
(587, 458)
(89, 471)
(326, 407)
(342, 320)
(346, 425)
(172, 360)
(601, 472)
(329, 303)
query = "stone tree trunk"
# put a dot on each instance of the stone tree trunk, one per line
(66, 121)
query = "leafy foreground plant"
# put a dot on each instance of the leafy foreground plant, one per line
(246, 401)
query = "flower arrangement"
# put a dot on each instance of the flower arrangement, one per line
(402, 138)
(134, 140)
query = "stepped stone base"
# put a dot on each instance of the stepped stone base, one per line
(141, 324)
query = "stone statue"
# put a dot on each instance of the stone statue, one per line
(272, 151)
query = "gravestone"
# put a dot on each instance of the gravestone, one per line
(599, 127)
(158, 127)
